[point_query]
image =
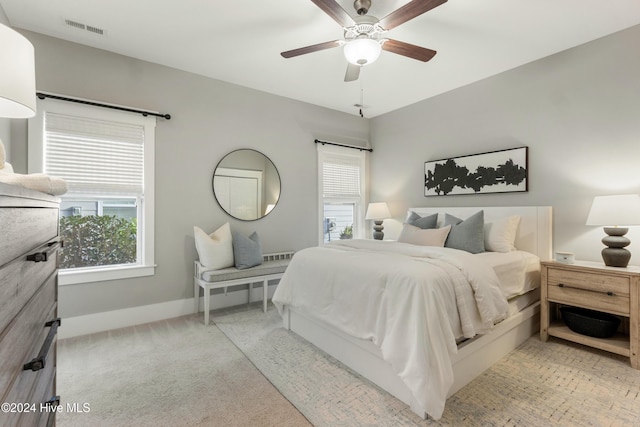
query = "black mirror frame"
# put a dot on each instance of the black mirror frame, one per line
(274, 168)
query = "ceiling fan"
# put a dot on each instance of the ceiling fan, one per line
(363, 35)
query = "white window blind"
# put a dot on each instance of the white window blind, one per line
(341, 176)
(96, 156)
(341, 193)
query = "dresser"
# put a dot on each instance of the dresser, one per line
(29, 246)
(593, 286)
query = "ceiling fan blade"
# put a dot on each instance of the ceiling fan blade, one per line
(310, 49)
(335, 11)
(410, 50)
(408, 11)
(353, 72)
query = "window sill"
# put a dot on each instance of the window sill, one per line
(104, 274)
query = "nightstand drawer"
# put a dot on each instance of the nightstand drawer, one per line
(596, 291)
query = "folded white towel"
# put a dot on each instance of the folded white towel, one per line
(35, 181)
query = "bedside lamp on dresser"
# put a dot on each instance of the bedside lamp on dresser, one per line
(378, 212)
(615, 213)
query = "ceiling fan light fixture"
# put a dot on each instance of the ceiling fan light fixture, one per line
(362, 51)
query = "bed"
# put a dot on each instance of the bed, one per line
(420, 322)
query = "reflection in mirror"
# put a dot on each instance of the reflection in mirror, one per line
(246, 184)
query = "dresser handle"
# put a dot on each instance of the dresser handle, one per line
(609, 293)
(38, 362)
(43, 256)
(52, 403)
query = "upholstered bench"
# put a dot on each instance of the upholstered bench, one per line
(272, 267)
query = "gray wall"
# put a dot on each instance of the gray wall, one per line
(578, 112)
(209, 119)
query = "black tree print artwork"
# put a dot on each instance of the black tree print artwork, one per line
(498, 171)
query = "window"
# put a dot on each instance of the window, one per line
(341, 176)
(106, 217)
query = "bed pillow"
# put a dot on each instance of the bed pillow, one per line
(215, 250)
(246, 250)
(424, 237)
(467, 235)
(500, 234)
(428, 221)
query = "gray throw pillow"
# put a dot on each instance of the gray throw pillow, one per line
(467, 235)
(246, 250)
(423, 222)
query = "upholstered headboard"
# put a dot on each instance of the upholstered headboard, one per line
(534, 233)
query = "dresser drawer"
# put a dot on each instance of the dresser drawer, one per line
(23, 229)
(33, 388)
(597, 291)
(21, 278)
(19, 341)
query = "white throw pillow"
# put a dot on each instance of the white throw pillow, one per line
(215, 250)
(424, 237)
(500, 234)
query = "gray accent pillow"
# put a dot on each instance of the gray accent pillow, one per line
(247, 252)
(423, 222)
(467, 235)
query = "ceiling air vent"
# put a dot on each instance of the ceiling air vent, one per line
(75, 24)
(95, 30)
(81, 26)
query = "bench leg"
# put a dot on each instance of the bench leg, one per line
(265, 294)
(196, 296)
(207, 296)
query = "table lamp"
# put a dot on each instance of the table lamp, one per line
(378, 212)
(615, 213)
(17, 75)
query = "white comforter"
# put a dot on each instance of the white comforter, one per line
(411, 301)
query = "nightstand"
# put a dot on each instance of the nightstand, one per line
(593, 286)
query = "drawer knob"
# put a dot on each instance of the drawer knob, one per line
(610, 293)
(561, 285)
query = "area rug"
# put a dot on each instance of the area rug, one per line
(538, 384)
(171, 373)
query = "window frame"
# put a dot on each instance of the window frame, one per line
(145, 265)
(325, 152)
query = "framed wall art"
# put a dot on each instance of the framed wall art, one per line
(503, 171)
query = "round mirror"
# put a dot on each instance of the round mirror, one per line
(246, 184)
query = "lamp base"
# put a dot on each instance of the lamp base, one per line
(616, 257)
(615, 254)
(377, 233)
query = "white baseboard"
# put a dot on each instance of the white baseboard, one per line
(108, 320)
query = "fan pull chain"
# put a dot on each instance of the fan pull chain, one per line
(361, 98)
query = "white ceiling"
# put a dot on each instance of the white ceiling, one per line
(240, 41)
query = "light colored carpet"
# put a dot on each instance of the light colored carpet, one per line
(538, 384)
(177, 372)
(180, 372)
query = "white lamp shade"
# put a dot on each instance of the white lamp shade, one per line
(17, 75)
(377, 211)
(619, 210)
(362, 51)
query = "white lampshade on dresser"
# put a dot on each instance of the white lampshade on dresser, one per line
(615, 213)
(17, 75)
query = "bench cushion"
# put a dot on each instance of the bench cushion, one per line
(267, 267)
